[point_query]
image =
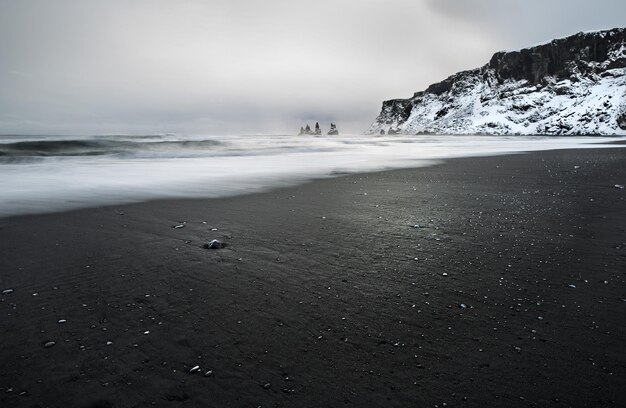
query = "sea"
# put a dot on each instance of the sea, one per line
(40, 174)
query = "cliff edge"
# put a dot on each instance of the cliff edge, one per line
(569, 86)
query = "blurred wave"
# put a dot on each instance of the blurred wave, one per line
(56, 173)
(100, 147)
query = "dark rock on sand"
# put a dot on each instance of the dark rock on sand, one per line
(214, 244)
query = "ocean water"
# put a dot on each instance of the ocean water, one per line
(56, 173)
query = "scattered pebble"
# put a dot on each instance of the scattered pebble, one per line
(7, 291)
(572, 286)
(444, 274)
(109, 343)
(194, 369)
(208, 373)
(214, 244)
(61, 321)
(620, 186)
(49, 344)
(267, 386)
(178, 226)
(463, 306)
(416, 226)
(146, 332)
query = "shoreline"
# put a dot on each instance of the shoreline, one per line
(49, 185)
(327, 295)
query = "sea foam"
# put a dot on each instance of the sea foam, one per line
(49, 174)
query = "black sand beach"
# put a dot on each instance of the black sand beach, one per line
(509, 293)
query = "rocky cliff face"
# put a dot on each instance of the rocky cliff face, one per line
(570, 86)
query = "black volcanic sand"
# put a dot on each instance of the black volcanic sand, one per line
(326, 295)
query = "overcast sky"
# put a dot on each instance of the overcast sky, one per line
(234, 66)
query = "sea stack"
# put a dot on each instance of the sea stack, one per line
(307, 130)
(333, 130)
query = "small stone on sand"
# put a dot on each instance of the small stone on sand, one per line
(214, 244)
(194, 369)
(61, 321)
(7, 291)
(49, 344)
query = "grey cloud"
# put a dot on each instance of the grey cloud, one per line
(522, 23)
(240, 66)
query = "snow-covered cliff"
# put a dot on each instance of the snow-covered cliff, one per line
(569, 86)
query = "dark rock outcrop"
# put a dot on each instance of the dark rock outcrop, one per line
(333, 130)
(305, 131)
(621, 121)
(316, 132)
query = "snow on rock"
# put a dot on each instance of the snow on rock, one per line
(570, 86)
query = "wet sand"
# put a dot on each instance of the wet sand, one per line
(479, 282)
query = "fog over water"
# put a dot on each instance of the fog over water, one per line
(54, 173)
